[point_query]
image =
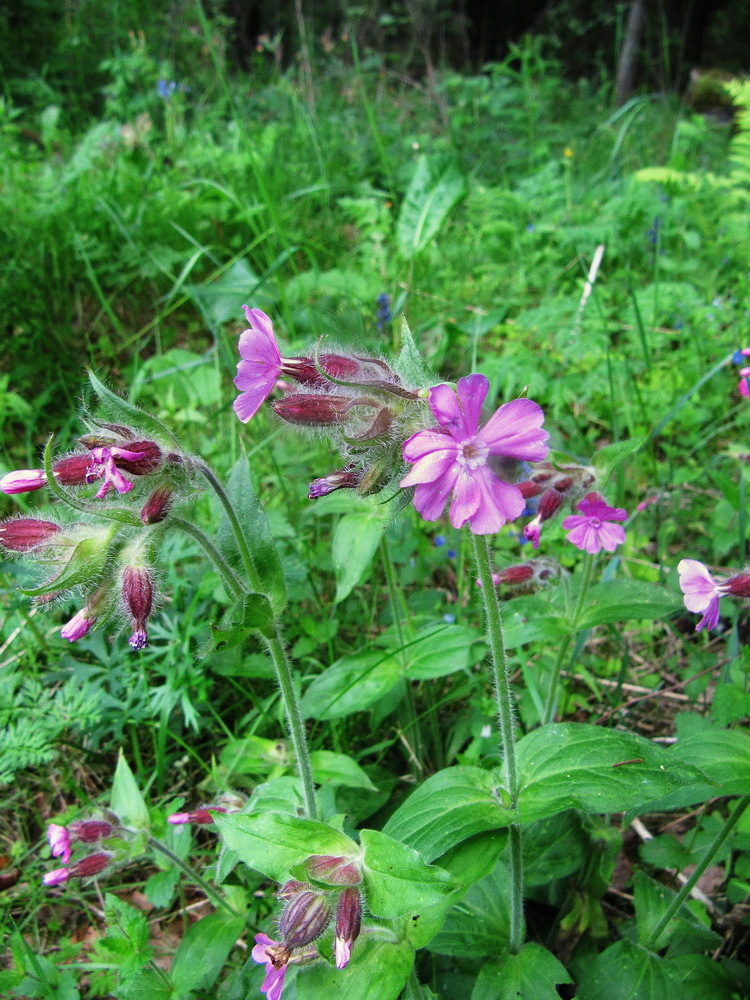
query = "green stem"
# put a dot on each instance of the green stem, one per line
(709, 855)
(278, 655)
(192, 875)
(396, 597)
(550, 705)
(228, 575)
(239, 535)
(504, 695)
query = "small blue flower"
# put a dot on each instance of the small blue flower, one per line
(384, 310)
(439, 540)
(653, 232)
(451, 553)
(530, 228)
(449, 619)
(166, 88)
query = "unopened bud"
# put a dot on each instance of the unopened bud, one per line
(312, 410)
(512, 576)
(345, 479)
(550, 502)
(348, 923)
(292, 888)
(158, 505)
(22, 534)
(304, 370)
(23, 481)
(305, 918)
(138, 594)
(333, 871)
(739, 585)
(90, 830)
(529, 490)
(72, 470)
(202, 817)
(91, 865)
(78, 625)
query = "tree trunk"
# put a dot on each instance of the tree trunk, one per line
(629, 52)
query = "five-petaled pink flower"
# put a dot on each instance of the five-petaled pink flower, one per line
(701, 592)
(592, 530)
(103, 467)
(259, 366)
(454, 457)
(273, 984)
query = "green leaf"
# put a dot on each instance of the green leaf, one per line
(652, 899)
(273, 843)
(84, 565)
(338, 770)
(442, 650)
(127, 801)
(700, 977)
(148, 984)
(576, 766)
(480, 925)
(436, 187)
(396, 879)
(378, 970)
(120, 411)
(529, 619)
(723, 755)
(553, 848)
(249, 614)
(203, 951)
(534, 974)
(447, 808)
(410, 364)
(626, 971)
(620, 600)
(351, 684)
(355, 541)
(610, 456)
(257, 535)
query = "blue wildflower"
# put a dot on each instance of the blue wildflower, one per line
(384, 310)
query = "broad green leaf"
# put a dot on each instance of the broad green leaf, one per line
(120, 411)
(553, 848)
(355, 541)
(249, 614)
(626, 971)
(126, 800)
(273, 843)
(534, 974)
(378, 970)
(528, 619)
(479, 925)
(397, 881)
(253, 755)
(351, 684)
(338, 770)
(436, 187)
(203, 951)
(84, 565)
(467, 862)
(447, 808)
(148, 984)
(652, 900)
(576, 766)
(441, 650)
(410, 364)
(257, 534)
(610, 456)
(723, 755)
(702, 978)
(621, 600)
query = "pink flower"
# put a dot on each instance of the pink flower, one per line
(590, 530)
(259, 366)
(348, 924)
(78, 625)
(23, 481)
(701, 592)
(59, 842)
(57, 876)
(103, 467)
(275, 962)
(743, 385)
(453, 458)
(200, 816)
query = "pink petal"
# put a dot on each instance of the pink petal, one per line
(437, 465)
(584, 537)
(514, 430)
(697, 584)
(424, 442)
(711, 617)
(610, 536)
(601, 509)
(459, 411)
(262, 941)
(273, 984)
(467, 496)
(57, 876)
(430, 498)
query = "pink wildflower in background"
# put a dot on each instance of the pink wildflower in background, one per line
(592, 530)
(59, 842)
(702, 591)
(23, 481)
(453, 458)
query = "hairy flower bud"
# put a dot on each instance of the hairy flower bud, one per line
(304, 370)
(149, 460)
(138, 594)
(512, 576)
(23, 481)
(305, 918)
(311, 410)
(333, 871)
(158, 505)
(90, 830)
(344, 479)
(73, 470)
(348, 923)
(739, 585)
(78, 625)
(202, 817)
(22, 534)
(550, 502)
(90, 865)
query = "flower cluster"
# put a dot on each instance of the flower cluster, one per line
(61, 840)
(108, 553)
(702, 591)
(308, 911)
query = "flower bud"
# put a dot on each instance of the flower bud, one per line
(311, 410)
(90, 865)
(348, 923)
(201, 816)
(78, 625)
(512, 576)
(334, 871)
(550, 502)
(739, 585)
(73, 470)
(25, 533)
(59, 842)
(344, 479)
(139, 459)
(138, 594)
(23, 481)
(90, 830)
(304, 370)
(158, 505)
(305, 918)
(292, 888)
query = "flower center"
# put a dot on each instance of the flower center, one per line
(473, 453)
(595, 522)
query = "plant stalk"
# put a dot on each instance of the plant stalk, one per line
(504, 696)
(192, 875)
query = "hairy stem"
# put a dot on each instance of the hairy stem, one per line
(192, 875)
(228, 575)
